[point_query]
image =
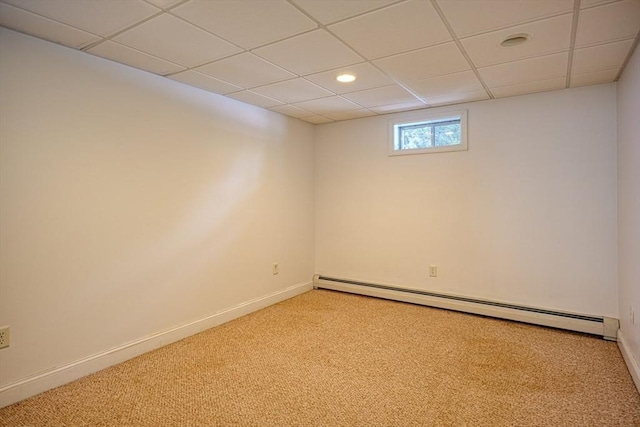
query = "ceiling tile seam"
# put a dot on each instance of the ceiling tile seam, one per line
(572, 43)
(584, 73)
(206, 31)
(370, 62)
(42, 37)
(253, 51)
(339, 96)
(238, 46)
(532, 21)
(527, 58)
(526, 22)
(255, 93)
(48, 19)
(195, 69)
(606, 42)
(288, 80)
(593, 6)
(122, 30)
(365, 58)
(185, 68)
(166, 9)
(355, 102)
(364, 61)
(160, 11)
(377, 9)
(282, 39)
(634, 46)
(436, 6)
(320, 24)
(311, 113)
(293, 104)
(529, 82)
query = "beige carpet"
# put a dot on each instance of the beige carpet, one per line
(331, 359)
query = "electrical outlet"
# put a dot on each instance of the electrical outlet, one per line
(4, 337)
(632, 316)
(276, 269)
(433, 271)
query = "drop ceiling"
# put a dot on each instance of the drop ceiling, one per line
(284, 55)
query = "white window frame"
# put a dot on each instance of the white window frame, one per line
(427, 117)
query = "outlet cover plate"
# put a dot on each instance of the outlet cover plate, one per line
(4, 337)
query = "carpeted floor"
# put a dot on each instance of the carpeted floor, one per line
(332, 359)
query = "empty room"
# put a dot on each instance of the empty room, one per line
(319, 213)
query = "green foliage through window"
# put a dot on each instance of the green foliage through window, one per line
(428, 132)
(414, 136)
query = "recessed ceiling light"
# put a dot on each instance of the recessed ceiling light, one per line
(345, 78)
(515, 40)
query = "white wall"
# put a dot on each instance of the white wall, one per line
(629, 211)
(132, 204)
(526, 215)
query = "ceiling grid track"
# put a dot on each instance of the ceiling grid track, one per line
(285, 55)
(574, 32)
(461, 48)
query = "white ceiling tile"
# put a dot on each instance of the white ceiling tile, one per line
(309, 53)
(526, 70)
(428, 62)
(134, 58)
(398, 28)
(404, 106)
(39, 26)
(328, 11)
(246, 70)
(202, 81)
(530, 87)
(172, 39)
(367, 77)
(291, 91)
(546, 36)
(598, 58)
(387, 95)
(254, 99)
(317, 120)
(95, 16)
(291, 111)
(468, 17)
(247, 23)
(463, 82)
(353, 114)
(333, 104)
(596, 77)
(610, 22)
(163, 4)
(457, 98)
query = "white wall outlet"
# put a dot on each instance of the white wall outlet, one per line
(4, 336)
(276, 269)
(433, 271)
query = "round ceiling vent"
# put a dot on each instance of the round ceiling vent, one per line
(515, 40)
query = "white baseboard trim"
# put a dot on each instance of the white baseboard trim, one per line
(30, 386)
(631, 362)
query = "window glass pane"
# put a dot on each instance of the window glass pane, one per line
(412, 137)
(427, 133)
(447, 134)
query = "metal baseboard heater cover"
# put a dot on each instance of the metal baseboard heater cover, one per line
(605, 327)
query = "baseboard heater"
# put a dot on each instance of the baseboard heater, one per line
(605, 327)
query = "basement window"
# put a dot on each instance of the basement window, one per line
(428, 133)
